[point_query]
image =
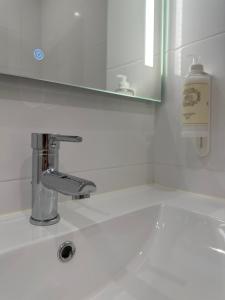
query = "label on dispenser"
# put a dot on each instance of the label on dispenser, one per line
(196, 104)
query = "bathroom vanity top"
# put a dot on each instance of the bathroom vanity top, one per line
(16, 231)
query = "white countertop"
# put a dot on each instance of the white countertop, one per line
(16, 231)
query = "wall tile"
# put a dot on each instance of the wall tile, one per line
(196, 180)
(192, 21)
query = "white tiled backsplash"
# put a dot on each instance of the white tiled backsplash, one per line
(117, 147)
(196, 27)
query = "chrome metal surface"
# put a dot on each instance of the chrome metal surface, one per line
(66, 251)
(66, 184)
(45, 222)
(47, 181)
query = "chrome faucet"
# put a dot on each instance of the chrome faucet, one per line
(47, 181)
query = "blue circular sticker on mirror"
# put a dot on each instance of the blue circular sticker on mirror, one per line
(39, 54)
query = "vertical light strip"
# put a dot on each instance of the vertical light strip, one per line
(149, 32)
(179, 36)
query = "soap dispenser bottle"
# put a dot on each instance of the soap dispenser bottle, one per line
(196, 106)
(124, 86)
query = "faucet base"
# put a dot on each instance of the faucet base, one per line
(45, 222)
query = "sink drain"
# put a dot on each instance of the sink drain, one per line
(66, 252)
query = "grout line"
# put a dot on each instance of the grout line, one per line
(132, 62)
(81, 171)
(195, 42)
(182, 166)
(127, 64)
(115, 167)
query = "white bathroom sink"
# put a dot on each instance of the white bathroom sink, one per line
(159, 252)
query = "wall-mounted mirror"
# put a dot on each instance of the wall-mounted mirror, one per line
(107, 45)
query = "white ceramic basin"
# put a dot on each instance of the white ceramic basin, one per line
(157, 253)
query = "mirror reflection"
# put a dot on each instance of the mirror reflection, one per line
(107, 45)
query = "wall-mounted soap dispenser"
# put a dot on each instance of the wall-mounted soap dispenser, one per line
(196, 107)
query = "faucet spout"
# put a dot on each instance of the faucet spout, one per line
(67, 184)
(47, 181)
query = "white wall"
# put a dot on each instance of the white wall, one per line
(196, 27)
(117, 147)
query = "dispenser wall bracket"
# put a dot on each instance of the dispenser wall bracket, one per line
(202, 145)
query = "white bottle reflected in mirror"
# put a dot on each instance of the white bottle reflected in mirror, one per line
(124, 86)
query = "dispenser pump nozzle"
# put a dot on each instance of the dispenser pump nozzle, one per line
(124, 84)
(196, 66)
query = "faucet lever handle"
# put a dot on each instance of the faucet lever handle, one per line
(65, 138)
(44, 141)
